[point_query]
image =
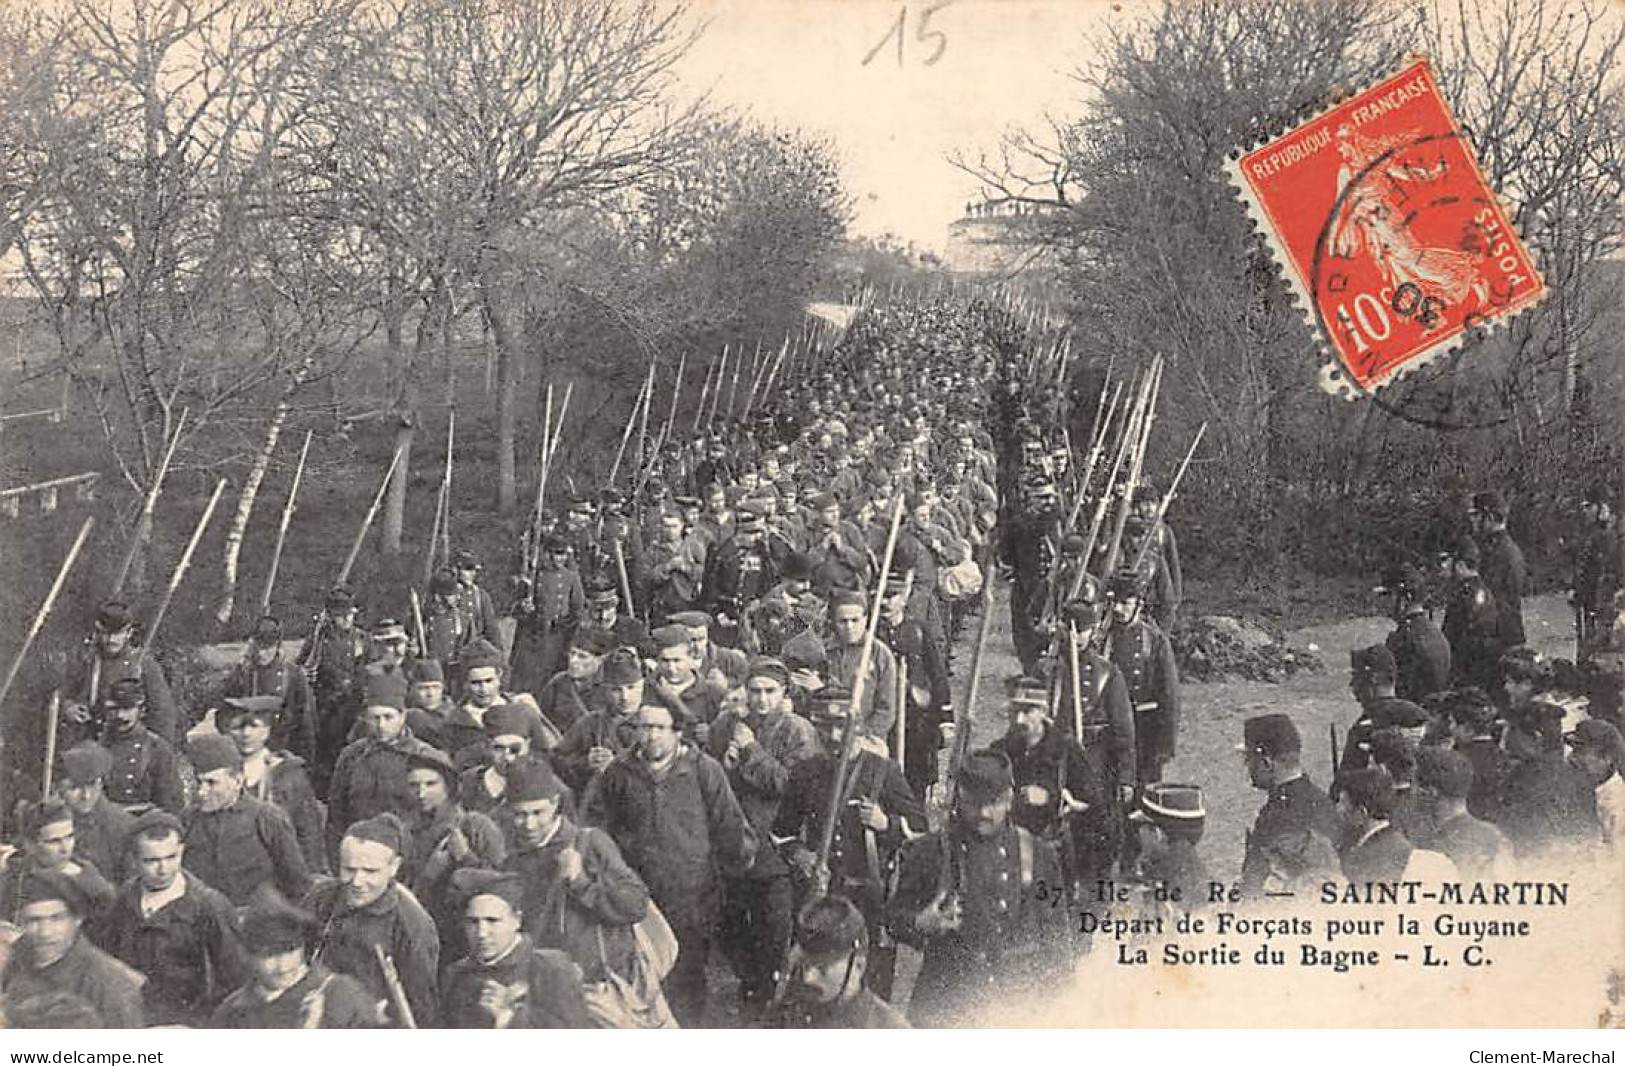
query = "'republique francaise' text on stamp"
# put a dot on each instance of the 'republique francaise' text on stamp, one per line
(1389, 235)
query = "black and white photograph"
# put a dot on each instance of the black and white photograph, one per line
(811, 514)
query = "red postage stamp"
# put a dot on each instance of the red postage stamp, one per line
(1390, 236)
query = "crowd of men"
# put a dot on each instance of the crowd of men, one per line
(714, 712)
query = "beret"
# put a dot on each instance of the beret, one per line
(270, 925)
(425, 671)
(85, 762)
(670, 636)
(40, 886)
(481, 654)
(691, 619)
(621, 667)
(471, 881)
(506, 720)
(766, 666)
(384, 690)
(157, 822)
(212, 752)
(532, 779)
(428, 758)
(593, 641)
(386, 829)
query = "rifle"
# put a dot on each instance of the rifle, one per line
(716, 391)
(903, 696)
(671, 412)
(626, 436)
(642, 457)
(52, 710)
(1130, 420)
(397, 991)
(620, 574)
(849, 737)
(1331, 787)
(45, 610)
(1168, 497)
(366, 522)
(1142, 438)
(180, 570)
(441, 551)
(147, 507)
(705, 392)
(417, 618)
(282, 529)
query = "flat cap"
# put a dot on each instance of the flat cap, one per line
(670, 636)
(234, 708)
(40, 886)
(270, 925)
(427, 758)
(691, 619)
(157, 822)
(831, 927)
(113, 616)
(1374, 664)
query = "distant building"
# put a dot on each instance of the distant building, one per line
(994, 236)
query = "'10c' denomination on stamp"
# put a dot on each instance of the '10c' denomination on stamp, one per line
(1390, 236)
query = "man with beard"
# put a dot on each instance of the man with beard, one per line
(370, 776)
(365, 913)
(967, 897)
(760, 751)
(505, 981)
(579, 896)
(48, 846)
(174, 928)
(112, 658)
(235, 842)
(55, 956)
(572, 693)
(286, 988)
(1273, 751)
(676, 819)
(596, 740)
(100, 829)
(878, 713)
(265, 672)
(275, 777)
(878, 814)
(604, 613)
(1061, 791)
(828, 963)
(146, 770)
(445, 839)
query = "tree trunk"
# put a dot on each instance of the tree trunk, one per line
(395, 502)
(507, 386)
(245, 507)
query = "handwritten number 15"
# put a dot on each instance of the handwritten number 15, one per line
(922, 33)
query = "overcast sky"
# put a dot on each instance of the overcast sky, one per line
(801, 62)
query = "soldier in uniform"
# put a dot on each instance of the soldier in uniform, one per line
(1062, 794)
(925, 704)
(1599, 560)
(1472, 621)
(1102, 718)
(827, 987)
(1421, 654)
(111, 658)
(1372, 673)
(968, 897)
(277, 777)
(879, 813)
(604, 612)
(234, 841)
(333, 657)
(54, 955)
(1147, 502)
(506, 981)
(1156, 583)
(101, 829)
(1273, 751)
(1502, 564)
(288, 989)
(1031, 543)
(475, 604)
(264, 671)
(447, 626)
(546, 615)
(740, 571)
(1141, 652)
(1170, 820)
(146, 771)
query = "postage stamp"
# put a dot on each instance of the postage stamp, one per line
(1391, 238)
